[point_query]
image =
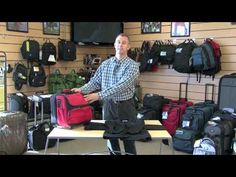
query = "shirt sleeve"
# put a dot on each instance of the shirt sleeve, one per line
(94, 83)
(127, 81)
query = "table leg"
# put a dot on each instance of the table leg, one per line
(58, 141)
(171, 146)
(160, 147)
(46, 146)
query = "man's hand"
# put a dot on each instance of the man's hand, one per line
(91, 97)
(76, 90)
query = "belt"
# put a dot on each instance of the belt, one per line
(115, 101)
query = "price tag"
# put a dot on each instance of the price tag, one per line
(163, 53)
(178, 50)
(197, 143)
(150, 61)
(164, 115)
(139, 116)
(51, 58)
(179, 132)
(185, 123)
(36, 69)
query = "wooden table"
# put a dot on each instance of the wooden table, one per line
(78, 132)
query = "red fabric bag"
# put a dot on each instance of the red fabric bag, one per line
(72, 109)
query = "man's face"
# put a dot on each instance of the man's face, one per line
(122, 45)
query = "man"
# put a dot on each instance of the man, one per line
(115, 78)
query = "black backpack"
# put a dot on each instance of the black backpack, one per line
(20, 75)
(215, 132)
(183, 57)
(151, 55)
(167, 53)
(37, 136)
(48, 53)
(30, 50)
(66, 50)
(145, 62)
(37, 76)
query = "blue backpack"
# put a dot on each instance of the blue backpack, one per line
(203, 60)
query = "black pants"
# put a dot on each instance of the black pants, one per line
(123, 110)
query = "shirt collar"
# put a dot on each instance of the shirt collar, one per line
(119, 61)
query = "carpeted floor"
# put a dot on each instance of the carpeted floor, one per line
(98, 147)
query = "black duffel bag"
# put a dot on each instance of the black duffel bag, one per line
(37, 136)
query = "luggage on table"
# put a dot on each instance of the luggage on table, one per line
(68, 109)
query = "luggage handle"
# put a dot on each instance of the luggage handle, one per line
(35, 111)
(77, 106)
(212, 92)
(80, 106)
(38, 101)
(186, 90)
(67, 91)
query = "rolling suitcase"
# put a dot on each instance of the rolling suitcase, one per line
(13, 132)
(209, 103)
(227, 92)
(37, 134)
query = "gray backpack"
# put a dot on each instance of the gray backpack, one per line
(204, 146)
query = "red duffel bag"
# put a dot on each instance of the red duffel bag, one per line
(70, 109)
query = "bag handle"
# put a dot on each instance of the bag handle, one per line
(47, 40)
(208, 140)
(186, 90)
(61, 39)
(212, 92)
(77, 106)
(72, 71)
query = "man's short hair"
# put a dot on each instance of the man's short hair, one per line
(123, 35)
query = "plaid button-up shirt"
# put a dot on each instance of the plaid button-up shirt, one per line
(115, 78)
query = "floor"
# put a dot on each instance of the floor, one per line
(98, 147)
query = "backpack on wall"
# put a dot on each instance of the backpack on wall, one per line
(145, 61)
(66, 50)
(216, 55)
(48, 53)
(20, 75)
(37, 76)
(30, 50)
(167, 53)
(183, 57)
(203, 60)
